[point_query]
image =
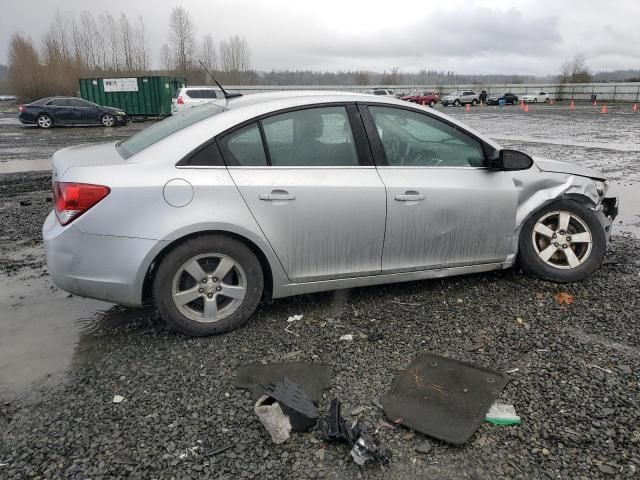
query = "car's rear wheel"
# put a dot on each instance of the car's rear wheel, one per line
(432, 104)
(562, 242)
(107, 120)
(208, 285)
(474, 102)
(457, 103)
(44, 121)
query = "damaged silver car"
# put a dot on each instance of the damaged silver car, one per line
(287, 193)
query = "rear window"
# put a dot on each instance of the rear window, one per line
(201, 93)
(147, 137)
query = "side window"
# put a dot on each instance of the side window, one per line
(209, 156)
(192, 93)
(79, 103)
(244, 147)
(412, 139)
(315, 137)
(59, 102)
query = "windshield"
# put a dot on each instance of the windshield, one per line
(166, 127)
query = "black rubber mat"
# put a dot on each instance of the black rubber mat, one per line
(443, 398)
(312, 377)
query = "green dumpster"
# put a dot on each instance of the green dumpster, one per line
(137, 96)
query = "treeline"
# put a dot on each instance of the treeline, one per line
(105, 45)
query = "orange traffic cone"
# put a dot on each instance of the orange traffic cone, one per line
(468, 108)
(573, 105)
(522, 104)
(526, 108)
(635, 107)
(604, 109)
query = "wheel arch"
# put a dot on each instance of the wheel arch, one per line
(265, 264)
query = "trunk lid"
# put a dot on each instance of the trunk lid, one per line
(83, 156)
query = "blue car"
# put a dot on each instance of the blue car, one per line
(56, 111)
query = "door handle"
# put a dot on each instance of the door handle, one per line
(276, 195)
(410, 196)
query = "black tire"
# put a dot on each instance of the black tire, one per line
(44, 121)
(432, 104)
(533, 265)
(456, 103)
(535, 100)
(473, 102)
(175, 260)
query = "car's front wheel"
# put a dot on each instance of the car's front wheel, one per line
(562, 242)
(208, 285)
(474, 102)
(432, 104)
(456, 103)
(108, 120)
(44, 121)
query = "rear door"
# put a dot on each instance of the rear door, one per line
(444, 208)
(61, 111)
(308, 179)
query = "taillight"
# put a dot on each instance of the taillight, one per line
(21, 108)
(180, 101)
(73, 199)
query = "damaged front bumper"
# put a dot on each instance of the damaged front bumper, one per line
(609, 212)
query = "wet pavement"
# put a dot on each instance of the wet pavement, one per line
(62, 358)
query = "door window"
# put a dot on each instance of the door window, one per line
(79, 103)
(412, 139)
(315, 137)
(59, 102)
(244, 147)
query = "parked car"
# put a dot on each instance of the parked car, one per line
(460, 97)
(424, 98)
(57, 111)
(538, 97)
(205, 212)
(508, 97)
(382, 92)
(188, 97)
(8, 98)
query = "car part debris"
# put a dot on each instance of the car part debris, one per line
(273, 418)
(363, 448)
(118, 398)
(312, 377)
(346, 338)
(219, 450)
(444, 398)
(501, 414)
(295, 403)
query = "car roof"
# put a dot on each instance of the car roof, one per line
(207, 87)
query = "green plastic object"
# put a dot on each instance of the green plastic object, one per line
(137, 96)
(500, 414)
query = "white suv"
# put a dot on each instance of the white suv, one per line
(188, 97)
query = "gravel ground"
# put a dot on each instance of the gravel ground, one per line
(576, 387)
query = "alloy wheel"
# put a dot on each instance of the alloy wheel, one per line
(209, 287)
(562, 240)
(44, 121)
(108, 120)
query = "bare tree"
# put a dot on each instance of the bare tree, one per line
(113, 41)
(208, 53)
(165, 58)
(140, 50)
(182, 34)
(235, 58)
(127, 37)
(25, 71)
(575, 70)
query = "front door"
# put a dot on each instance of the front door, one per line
(444, 209)
(313, 190)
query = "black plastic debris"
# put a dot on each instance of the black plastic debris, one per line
(363, 448)
(312, 377)
(441, 397)
(295, 403)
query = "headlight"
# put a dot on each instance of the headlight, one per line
(601, 187)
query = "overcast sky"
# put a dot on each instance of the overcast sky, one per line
(465, 36)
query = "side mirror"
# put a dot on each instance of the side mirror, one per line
(511, 160)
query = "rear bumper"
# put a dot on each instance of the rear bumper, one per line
(97, 266)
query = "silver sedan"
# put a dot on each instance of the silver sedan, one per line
(287, 193)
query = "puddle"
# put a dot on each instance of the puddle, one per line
(44, 334)
(16, 166)
(629, 207)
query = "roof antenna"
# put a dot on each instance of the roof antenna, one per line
(226, 94)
